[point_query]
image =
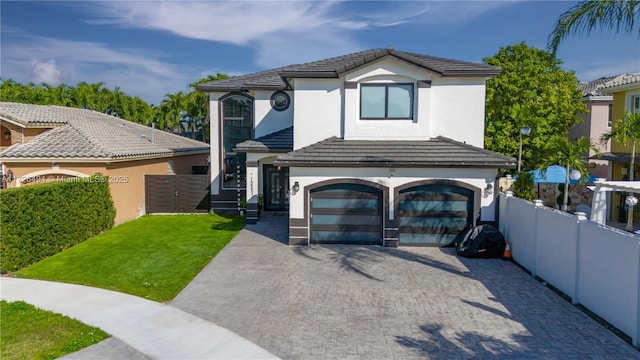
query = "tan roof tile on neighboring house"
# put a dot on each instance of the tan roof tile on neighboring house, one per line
(620, 80)
(90, 134)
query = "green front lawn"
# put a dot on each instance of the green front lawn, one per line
(153, 257)
(31, 333)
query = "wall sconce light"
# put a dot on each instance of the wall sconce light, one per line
(296, 187)
(10, 175)
(488, 190)
(392, 172)
(7, 135)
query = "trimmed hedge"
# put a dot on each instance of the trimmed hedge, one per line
(41, 220)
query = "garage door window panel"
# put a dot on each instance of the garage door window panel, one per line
(346, 213)
(434, 214)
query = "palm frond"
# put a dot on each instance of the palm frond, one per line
(586, 15)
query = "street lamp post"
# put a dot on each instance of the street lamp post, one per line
(523, 131)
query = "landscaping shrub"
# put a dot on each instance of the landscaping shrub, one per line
(523, 187)
(41, 220)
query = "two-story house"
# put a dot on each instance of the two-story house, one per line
(596, 121)
(376, 147)
(626, 97)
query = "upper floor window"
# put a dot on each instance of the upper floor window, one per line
(610, 115)
(386, 101)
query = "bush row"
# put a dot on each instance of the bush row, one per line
(41, 220)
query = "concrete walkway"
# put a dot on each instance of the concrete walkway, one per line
(370, 302)
(145, 329)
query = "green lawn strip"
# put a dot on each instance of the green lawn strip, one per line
(27, 332)
(153, 257)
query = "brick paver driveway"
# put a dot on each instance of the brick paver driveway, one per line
(370, 302)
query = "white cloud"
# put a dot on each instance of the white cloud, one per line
(45, 72)
(315, 29)
(42, 59)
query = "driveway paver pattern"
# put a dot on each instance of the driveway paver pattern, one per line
(370, 302)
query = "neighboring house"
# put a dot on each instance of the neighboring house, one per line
(626, 97)
(51, 143)
(596, 122)
(376, 147)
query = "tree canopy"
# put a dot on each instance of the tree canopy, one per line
(177, 112)
(559, 150)
(587, 15)
(531, 91)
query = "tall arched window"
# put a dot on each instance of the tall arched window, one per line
(237, 119)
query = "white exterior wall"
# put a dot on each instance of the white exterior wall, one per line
(318, 110)
(457, 109)
(309, 176)
(388, 71)
(267, 120)
(214, 133)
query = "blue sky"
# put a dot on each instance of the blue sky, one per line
(150, 48)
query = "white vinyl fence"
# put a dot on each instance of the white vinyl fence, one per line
(596, 265)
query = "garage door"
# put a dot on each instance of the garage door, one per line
(434, 214)
(346, 214)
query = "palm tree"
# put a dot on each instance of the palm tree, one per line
(561, 151)
(625, 129)
(586, 15)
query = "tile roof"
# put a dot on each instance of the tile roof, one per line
(437, 152)
(335, 67)
(279, 141)
(620, 80)
(590, 88)
(599, 86)
(81, 133)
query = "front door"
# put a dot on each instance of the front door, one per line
(276, 188)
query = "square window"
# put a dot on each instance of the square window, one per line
(386, 101)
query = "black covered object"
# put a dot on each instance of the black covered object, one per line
(483, 241)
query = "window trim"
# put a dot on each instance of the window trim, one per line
(632, 98)
(386, 103)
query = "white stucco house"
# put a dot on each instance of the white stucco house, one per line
(377, 147)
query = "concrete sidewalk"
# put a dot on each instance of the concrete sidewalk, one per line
(155, 330)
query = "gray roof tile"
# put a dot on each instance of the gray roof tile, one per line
(334, 67)
(84, 133)
(590, 88)
(437, 152)
(279, 141)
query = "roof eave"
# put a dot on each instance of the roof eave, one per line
(309, 74)
(476, 73)
(307, 163)
(619, 88)
(192, 150)
(108, 160)
(244, 87)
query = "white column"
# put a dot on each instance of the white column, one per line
(252, 182)
(214, 134)
(599, 203)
